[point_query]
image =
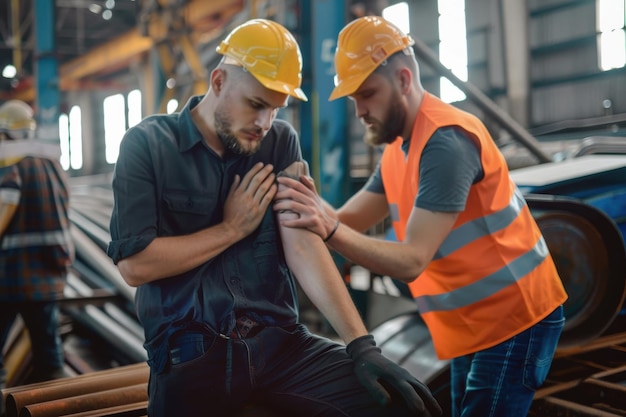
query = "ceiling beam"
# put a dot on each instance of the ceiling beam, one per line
(121, 51)
(108, 55)
(124, 48)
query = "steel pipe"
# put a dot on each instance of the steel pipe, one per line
(97, 234)
(17, 356)
(112, 331)
(98, 260)
(139, 409)
(86, 402)
(76, 386)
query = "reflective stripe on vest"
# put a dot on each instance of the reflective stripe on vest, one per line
(11, 152)
(481, 226)
(10, 196)
(25, 240)
(487, 286)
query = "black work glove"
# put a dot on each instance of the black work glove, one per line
(376, 373)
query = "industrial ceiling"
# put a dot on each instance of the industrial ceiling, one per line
(80, 25)
(95, 38)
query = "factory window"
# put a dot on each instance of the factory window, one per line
(611, 21)
(172, 106)
(398, 14)
(452, 41)
(452, 46)
(134, 108)
(64, 137)
(71, 139)
(120, 113)
(114, 125)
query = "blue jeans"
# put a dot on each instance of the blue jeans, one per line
(41, 320)
(286, 369)
(501, 381)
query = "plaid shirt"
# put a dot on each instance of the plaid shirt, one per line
(36, 249)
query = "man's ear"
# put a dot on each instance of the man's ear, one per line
(405, 78)
(218, 77)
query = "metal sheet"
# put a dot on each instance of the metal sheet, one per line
(570, 169)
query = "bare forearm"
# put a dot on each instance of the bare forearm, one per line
(169, 256)
(315, 270)
(363, 210)
(396, 259)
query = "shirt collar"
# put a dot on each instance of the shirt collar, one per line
(190, 136)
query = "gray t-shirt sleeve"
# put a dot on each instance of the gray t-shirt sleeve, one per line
(449, 165)
(375, 182)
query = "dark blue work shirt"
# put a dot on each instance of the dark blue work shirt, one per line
(168, 182)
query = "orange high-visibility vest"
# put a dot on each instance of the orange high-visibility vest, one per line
(493, 276)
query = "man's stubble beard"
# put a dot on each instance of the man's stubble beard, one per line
(390, 127)
(228, 138)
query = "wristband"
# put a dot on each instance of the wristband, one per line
(332, 232)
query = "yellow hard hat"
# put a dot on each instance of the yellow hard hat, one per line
(362, 46)
(269, 52)
(16, 120)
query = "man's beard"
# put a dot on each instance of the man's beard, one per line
(227, 137)
(389, 129)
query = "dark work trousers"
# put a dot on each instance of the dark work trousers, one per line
(41, 320)
(288, 370)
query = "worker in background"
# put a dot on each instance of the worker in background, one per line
(475, 260)
(192, 229)
(36, 249)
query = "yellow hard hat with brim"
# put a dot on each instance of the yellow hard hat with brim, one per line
(362, 46)
(269, 52)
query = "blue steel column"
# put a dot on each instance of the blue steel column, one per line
(46, 72)
(158, 81)
(305, 109)
(328, 133)
(324, 128)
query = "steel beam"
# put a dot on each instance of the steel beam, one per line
(117, 52)
(519, 133)
(515, 24)
(325, 128)
(46, 72)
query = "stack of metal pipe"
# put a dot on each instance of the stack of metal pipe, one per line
(96, 295)
(97, 302)
(117, 391)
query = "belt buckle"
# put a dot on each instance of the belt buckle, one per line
(244, 326)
